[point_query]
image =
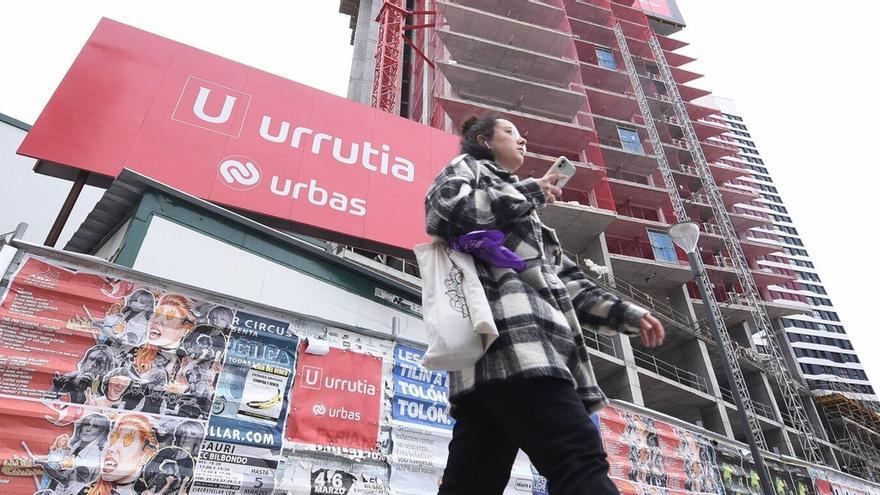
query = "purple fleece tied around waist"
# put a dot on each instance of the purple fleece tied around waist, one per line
(486, 245)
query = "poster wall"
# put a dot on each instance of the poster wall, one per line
(645, 454)
(111, 382)
(112, 386)
(91, 448)
(315, 474)
(116, 387)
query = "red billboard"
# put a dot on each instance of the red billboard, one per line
(241, 137)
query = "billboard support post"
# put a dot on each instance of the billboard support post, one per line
(66, 208)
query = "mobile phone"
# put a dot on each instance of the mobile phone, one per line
(565, 167)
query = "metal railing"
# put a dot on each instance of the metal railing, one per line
(18, 232)
(601, 343)
(6, 237)
(760, 408)
(664, 311)
(398, 268)
(671, 371)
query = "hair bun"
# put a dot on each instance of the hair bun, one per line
(468, 124)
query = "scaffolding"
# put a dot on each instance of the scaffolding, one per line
(854, 427)
(682, 216)
(787, 381)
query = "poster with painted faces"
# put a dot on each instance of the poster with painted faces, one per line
(650, 456)
(105, 384)
(73, 337)
(96, 451)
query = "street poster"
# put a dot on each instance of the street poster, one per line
(421, 396)
(87, 359)
(246, 428)
(337, 399)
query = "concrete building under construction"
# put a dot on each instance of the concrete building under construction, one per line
(601, 82)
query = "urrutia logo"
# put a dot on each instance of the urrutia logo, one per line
(212, 107)
(239, 172)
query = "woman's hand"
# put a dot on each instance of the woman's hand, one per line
(548, 185)
(651, 331)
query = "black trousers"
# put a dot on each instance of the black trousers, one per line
(542, 416)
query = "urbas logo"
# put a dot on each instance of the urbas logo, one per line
(239, 172)
(212, 107)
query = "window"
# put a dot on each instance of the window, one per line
(828, 315)
(757, 161)
(781, 218)
(630, 141)
(780, 209)
(664, 249)
(606, 58)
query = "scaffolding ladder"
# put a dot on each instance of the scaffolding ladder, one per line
(681, 215)
(789, 385)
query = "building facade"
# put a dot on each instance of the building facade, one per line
(818, 339)
(601, 82)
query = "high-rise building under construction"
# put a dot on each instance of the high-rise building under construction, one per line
(601, 82)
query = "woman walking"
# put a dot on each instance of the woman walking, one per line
(534, 388)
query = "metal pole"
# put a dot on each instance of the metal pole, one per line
(763, 472)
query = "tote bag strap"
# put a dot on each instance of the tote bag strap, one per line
(446, 247)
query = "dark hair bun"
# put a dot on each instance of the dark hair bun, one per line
(468, 124)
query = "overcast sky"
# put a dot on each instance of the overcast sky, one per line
(799, 74)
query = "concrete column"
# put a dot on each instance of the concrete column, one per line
(360, 84)
(629, 384)
(761, 390)
(597, 251)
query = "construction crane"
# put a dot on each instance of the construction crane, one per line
(389, 49)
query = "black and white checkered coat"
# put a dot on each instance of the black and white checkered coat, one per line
(539, 311)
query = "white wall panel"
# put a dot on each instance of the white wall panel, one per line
(181, 254)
